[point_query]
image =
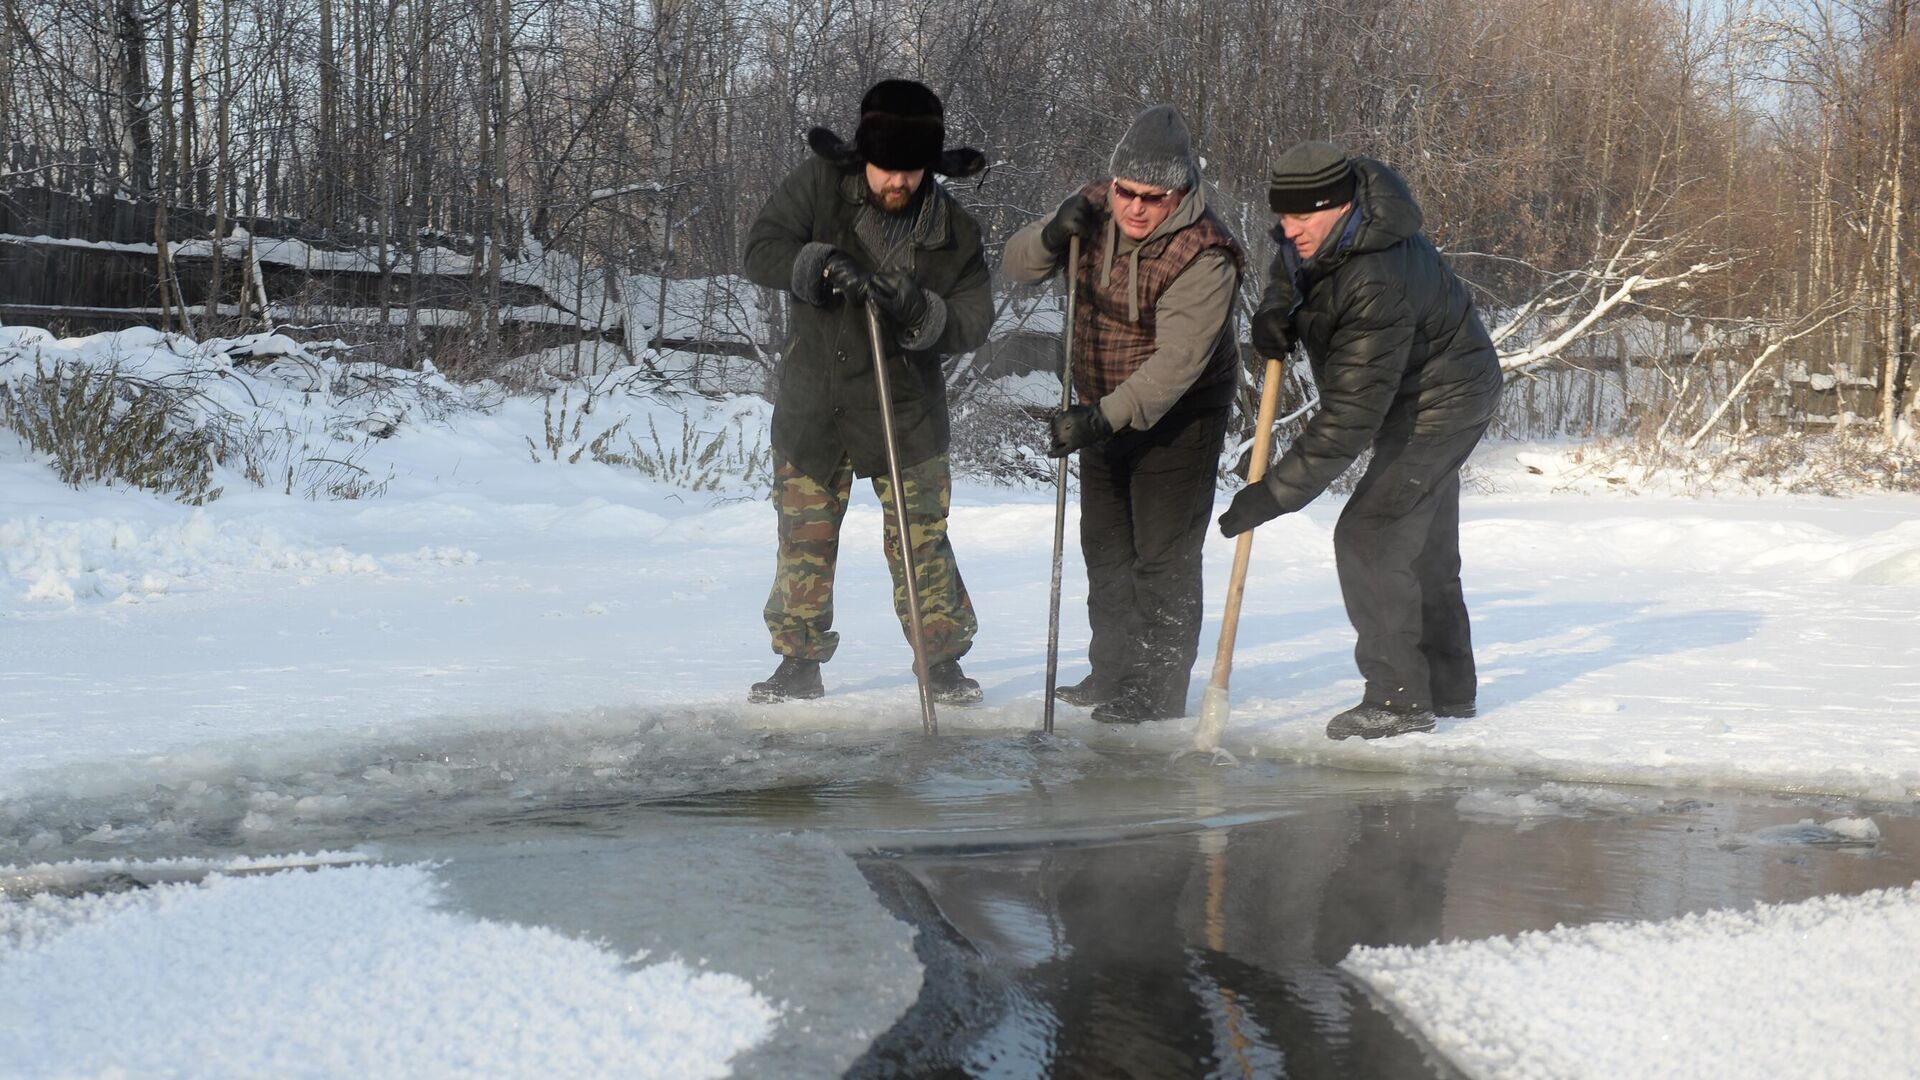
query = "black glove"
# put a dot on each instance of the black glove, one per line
(1252, 505)
(1076, 217)
(845, 277)
(1076, 427)
(1272, 337)
(899, 298)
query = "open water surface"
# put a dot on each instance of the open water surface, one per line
(1010, 905)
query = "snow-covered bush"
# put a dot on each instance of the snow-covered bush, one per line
(1798, 463)
(169, 413)
(101, 426)
(1000, 429)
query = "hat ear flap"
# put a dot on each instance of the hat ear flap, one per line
(961, 162)
(832, 147)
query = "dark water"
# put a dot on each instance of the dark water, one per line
(1158, 922)
(1005, 905)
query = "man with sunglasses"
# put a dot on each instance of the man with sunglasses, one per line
(1155, 369)
(1404, 366)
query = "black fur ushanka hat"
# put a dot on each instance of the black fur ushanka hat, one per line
(902, 126)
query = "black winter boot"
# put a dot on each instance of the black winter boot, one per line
(951, 686)
(1462, 709)
(1374, 721)
(1088, 692)
(1133, 706)
(794, 680)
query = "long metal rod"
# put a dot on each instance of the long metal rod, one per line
(1214, 703)
(915, 635)
(1060, 489)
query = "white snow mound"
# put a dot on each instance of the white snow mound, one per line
(1901, 569)
(343, 971)
(1700, 996)
(117, 560)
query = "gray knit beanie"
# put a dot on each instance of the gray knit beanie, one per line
(1157, 150)
(1310, 176)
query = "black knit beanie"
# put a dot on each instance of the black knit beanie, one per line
(902, 126)
(1310, 176)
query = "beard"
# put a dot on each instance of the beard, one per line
(892, 200)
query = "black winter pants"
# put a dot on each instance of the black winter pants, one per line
(1397, 548)
(1146, 499)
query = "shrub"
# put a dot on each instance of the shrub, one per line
(999, 437)
(101, 426)
(698, 461)
(562, 428)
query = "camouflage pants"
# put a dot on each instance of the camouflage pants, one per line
(799, 610)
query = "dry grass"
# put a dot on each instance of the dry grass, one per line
(98, 426)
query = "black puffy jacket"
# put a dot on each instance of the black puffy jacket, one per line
(1391, 333)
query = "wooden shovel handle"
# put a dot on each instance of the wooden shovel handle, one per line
(1243, 552)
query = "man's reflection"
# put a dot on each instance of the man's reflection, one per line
(1208, 954)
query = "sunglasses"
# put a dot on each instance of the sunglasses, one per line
(1145, 198)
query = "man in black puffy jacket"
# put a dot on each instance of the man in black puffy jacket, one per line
(1402, 363)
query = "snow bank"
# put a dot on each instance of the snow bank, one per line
(122, 561)
(1901, 569)
(343, 971)
(1702, 996)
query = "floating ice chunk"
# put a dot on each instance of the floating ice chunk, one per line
(1861, 829)
(1555, 800)
(1499, 804)
(1840, 832)
(312, 806)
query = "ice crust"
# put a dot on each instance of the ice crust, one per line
(343, 971)
(1820, 989)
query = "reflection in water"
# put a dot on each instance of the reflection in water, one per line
(1214, 953)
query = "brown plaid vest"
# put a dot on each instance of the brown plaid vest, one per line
(1107, 346)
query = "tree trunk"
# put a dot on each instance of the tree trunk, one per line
(6, 84)
(137, 132)
(420, 133)
(327, 137)
(185, 171)
(1894, 367)
(223, 161)
(169, 282)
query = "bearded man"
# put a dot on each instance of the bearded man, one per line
(859, 222)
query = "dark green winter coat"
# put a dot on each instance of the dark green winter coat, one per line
(1391, 333)
(827, 404)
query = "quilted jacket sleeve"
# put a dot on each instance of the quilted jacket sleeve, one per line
(1365, 362)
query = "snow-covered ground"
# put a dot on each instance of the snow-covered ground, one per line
(1674, 998)
(1628, 636)
(344, 971)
